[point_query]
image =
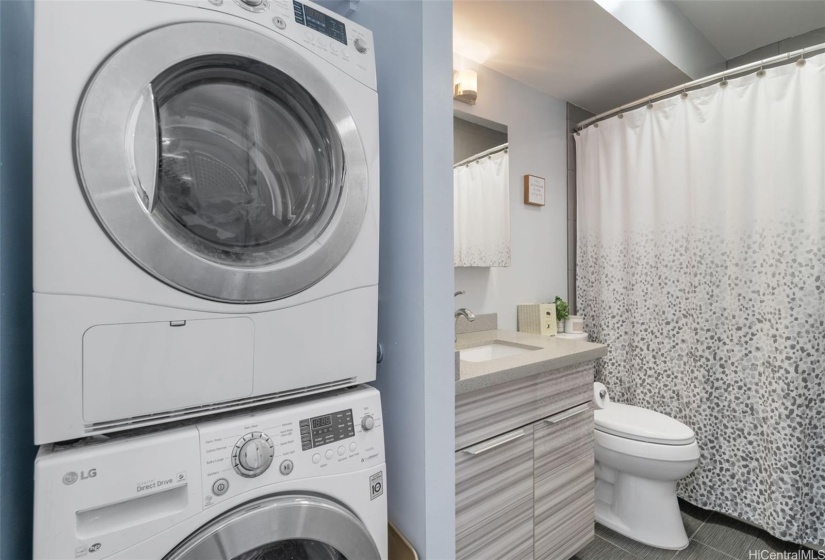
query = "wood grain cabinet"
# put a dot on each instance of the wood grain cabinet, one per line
(494, 498)
(526, 492)
(564, 483)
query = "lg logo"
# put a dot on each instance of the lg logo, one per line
(71, 477)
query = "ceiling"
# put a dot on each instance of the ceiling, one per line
(576, 50)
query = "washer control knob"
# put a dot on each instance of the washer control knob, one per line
(286, 467)
(360, 46)
(367, 423)
(252, 454)
(253, 3)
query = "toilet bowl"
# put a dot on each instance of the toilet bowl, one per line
(640, 456)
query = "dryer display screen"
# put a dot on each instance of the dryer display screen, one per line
(323, 430)
(320, 22)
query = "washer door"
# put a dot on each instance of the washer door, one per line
(222, 162)
(278, 527)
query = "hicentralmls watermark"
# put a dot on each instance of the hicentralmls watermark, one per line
(806, 554)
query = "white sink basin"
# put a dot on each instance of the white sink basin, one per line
(491, 351)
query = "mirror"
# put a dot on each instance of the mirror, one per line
(481, 193)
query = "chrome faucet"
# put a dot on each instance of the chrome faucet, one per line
(462, 312)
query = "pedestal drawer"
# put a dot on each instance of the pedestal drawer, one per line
(564, 471)
(494, 498)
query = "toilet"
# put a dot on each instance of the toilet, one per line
(640, 456)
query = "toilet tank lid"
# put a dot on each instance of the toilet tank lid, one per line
(641, 424)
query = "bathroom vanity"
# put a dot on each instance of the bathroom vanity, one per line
(524, 445)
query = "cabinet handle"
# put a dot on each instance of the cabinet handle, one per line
(556, 418)
(495, 442)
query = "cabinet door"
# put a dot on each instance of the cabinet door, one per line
(494, 498)
(564, 483)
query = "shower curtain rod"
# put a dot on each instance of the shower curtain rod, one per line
(480, 155)
(772, 61)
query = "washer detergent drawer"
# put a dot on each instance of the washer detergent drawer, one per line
(134, 369)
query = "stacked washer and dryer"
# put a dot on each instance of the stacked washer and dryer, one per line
(205, 282)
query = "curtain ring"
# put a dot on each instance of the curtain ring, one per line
(595, 125)
(684, 94)
(801, 61)
(724, 82)
(761, 72)
(620, 115)
(649, 103)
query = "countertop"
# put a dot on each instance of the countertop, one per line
(554, 353)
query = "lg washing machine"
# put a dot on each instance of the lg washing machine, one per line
(205, 209)
(305, 480)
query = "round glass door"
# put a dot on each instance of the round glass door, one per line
(280, 528)
(242, 177)
(250, 168)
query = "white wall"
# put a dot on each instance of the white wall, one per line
(536, 130)
(413, 42)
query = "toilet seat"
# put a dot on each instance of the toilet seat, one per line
(642, 425)
(646, 450)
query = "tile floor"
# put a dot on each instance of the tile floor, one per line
(713, 536)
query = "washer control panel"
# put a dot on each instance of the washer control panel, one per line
(333, 434)
(326, 429)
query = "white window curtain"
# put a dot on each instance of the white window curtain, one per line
(481, 205)
(701, 263)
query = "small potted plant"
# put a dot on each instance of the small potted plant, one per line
(562, 312)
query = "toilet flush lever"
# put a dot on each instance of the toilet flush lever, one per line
(602, 393)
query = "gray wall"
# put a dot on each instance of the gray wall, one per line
(805, 40)
(536, 126)
(470, 139)
(16, 417)
(413, 42)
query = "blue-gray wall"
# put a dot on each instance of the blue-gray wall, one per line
(413, 46)
(16, 433)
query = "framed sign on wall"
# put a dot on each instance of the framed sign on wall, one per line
(534, 190)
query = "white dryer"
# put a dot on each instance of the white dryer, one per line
(205, 209)
(305, 480)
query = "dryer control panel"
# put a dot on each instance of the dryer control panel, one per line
(339, 41)
(338, 433)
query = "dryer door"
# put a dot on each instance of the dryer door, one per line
(274, 528)
(222, 162)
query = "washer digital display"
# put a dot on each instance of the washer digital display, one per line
(323, 430)
(320, 22)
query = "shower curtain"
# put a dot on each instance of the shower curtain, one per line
(701, 263)
(481, 209)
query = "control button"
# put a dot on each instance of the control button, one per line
(253, 3)
(328, 454)
(286, 467)
(216, 2)
(309, 35)
(333, 47)
(279, 22)
(220, 487)
(360, 45)
(352, 446)
(322, 42)
(316, 458)
(367, 423)
(341, 450)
